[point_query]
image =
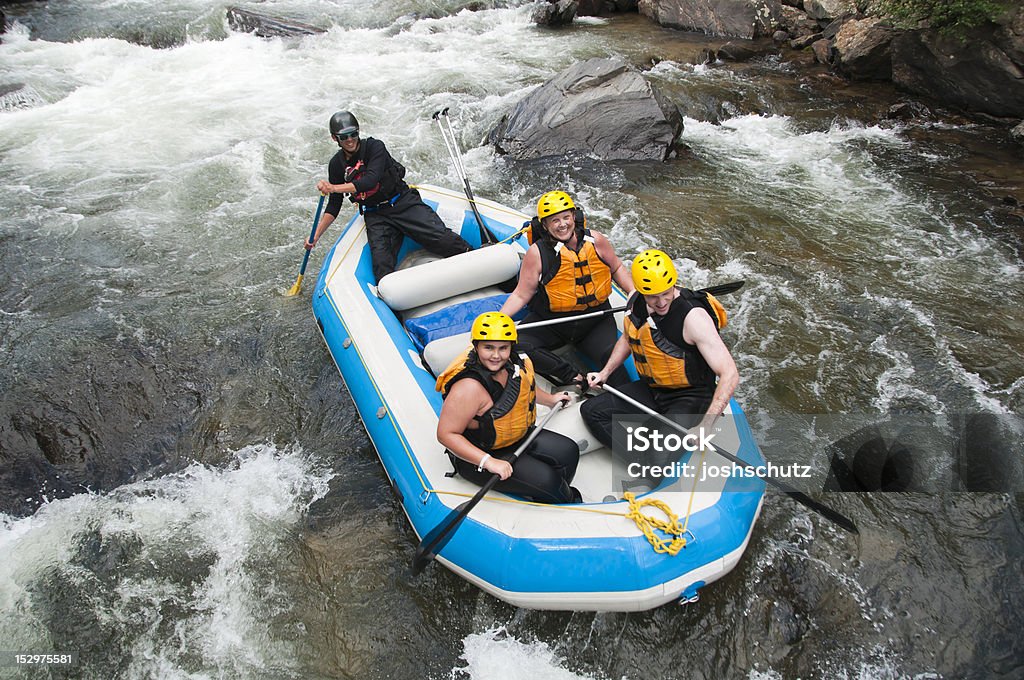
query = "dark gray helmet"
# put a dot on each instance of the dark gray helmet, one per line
(343, 123)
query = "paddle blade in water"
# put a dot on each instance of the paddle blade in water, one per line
(439, 536)
(294, 290)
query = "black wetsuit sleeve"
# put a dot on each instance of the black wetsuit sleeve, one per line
(336, 175)
(377, 160)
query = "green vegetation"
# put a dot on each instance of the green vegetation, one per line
(954, 17)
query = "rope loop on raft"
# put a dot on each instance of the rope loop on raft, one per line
(670, 526)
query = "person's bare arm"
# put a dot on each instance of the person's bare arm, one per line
(326, 220)
(466, 399)
(619, 354)
(529, 279)
(545, 398)
(699, 330)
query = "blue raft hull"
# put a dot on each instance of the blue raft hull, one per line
(586, 557)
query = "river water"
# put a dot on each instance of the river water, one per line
(186, 489)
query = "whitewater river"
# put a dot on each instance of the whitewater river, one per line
(186, 490)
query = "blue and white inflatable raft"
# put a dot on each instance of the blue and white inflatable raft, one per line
(389, 342)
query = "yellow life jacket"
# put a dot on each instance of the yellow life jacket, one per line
(514, 407)
(572, 281)
(665, 363)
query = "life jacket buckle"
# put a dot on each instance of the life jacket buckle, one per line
(363, 209)
(454, 472)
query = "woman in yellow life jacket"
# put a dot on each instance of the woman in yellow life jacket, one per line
(673, 334)
(567, 271)
(490, 398)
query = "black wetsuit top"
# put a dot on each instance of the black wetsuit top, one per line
(371, 169)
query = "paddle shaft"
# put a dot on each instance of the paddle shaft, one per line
(566, 319)
(312, 234)
(440, 535)
(714, 290)
(798, 496)
(312, 231)
(297, 286)
(455, 152)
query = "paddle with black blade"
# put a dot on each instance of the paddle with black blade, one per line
(721, 289)
(297, 286)
(452, 144)
(798, 496)
(439, 536)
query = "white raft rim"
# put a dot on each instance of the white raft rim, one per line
(561, 557)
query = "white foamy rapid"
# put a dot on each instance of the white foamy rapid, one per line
(195, 140)
(861, 236)
(176, 575)
(832, 170)
(494, 654)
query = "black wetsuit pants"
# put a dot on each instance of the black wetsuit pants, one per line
(388, 224)
(593, 337)
(542, 473)
(598, 411)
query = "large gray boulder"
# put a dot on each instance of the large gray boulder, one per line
(602, 108)
(732, 18)
(862, 50)
(554, 12)
(973, 74)
(829, 9)
(1010, 37)
(797, 23)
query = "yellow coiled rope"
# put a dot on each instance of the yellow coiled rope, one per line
(670, 526)
(647, 524)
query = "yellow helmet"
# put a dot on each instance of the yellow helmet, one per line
(494, 326)
(653, 272)
(554, 202)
